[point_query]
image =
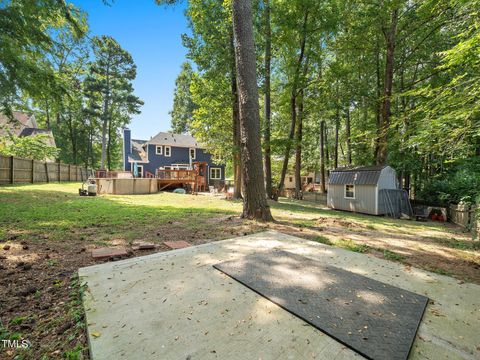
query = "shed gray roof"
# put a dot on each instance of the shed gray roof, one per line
(362, 175)
(181, 140)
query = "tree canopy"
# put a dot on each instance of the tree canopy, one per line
(78, 86)
(386, 82)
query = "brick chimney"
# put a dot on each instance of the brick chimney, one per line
(127, 148)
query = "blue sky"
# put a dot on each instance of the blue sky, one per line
(152, 34)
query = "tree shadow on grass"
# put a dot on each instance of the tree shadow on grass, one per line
(305, 208)
(63, 214)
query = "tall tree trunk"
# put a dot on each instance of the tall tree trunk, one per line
(298, 149)
(266, 135)
(337, 130)
(255, 204)
(348, 135)
(106, 103)
(322, 157)
(327, 155)
(237, 159)
(293, 105)
(378, 103)
(407, 181)
(90, 147)
(104, 134)
(73, 138)
(387, 89)
(365, 143)
(47, 113)
(109, 144)
(88, 156)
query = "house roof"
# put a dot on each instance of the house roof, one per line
(23, 125)
(138, 153)
(34, 131)
(362, 175)
(21, 120)
(171, 139)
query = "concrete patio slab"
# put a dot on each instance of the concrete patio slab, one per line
(175, 305)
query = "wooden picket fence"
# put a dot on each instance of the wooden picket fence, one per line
(465, 216)
(16, 170)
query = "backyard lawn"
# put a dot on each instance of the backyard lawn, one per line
(47, 232)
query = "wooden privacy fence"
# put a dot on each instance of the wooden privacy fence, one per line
(15, 170)
(312, 196)
(464, 215)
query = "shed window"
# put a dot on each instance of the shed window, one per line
(193, 153)
(159, 150)
(215, 173)
(168, 151)
(350, 191)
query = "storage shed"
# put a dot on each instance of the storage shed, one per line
(358, 189)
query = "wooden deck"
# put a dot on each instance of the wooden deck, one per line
(168, 178)
(195, 179)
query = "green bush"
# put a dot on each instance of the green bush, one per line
(460, 183)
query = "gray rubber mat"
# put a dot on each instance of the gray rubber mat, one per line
(377, 320)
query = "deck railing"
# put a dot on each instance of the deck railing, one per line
(113, 174)
(176, 175)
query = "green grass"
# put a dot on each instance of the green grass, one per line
(392, 255)
(17, 320)
(457, 244)
(352, 246)
(343, 243)
(323, 240)
(55, 211)
(439, 271)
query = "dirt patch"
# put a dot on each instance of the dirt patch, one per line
(40, 300)
(336, 222)
(453, 254)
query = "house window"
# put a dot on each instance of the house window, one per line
(215, 173)
(159, 150)
(168, 151)
(193, 153)
(350, 191)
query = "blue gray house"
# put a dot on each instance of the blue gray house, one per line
(167, 151)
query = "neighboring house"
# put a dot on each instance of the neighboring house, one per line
(22, 125)
(310, 182)
(167, 151)
(359, 189)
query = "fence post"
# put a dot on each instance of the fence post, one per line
(12, 169)
(33, 170)
(69, 172)
(58, 171)
(46, 172)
